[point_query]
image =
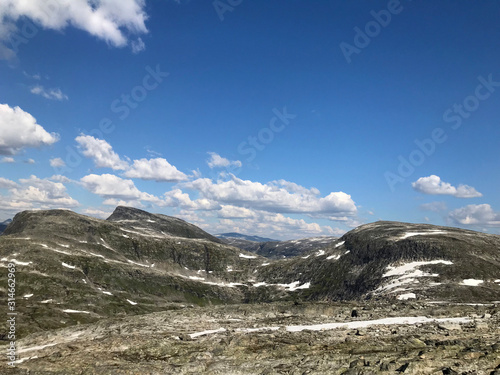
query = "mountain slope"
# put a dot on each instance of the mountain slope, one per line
(399, 260)
(72, 269)
(141, 221)
(234, 235)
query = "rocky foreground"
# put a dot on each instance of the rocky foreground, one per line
(408, 337)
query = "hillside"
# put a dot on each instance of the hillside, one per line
(399, 260)
(72, 269)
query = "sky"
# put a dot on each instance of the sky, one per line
(284, 119)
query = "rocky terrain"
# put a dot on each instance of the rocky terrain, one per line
(277, 338)
(148, 293)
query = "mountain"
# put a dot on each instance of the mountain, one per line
(157, 224)
(147, 293)
(4, 225)
(73, 269)
(398, 261)
(234, 235)
(274, 249)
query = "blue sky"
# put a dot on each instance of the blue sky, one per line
(285, 119)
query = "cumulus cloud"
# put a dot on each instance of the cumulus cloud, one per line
(475, 214)
(35, 193)
(18, 130)
(109, 20)
(110, 186)
(100, 214)
(177, 198)
(7, 184)
(100, 152)
(217, 161)
(434, 185)
(52, 94)
(157, 169)
(7, 159)
(235, 212)
(29, 161)
(272, 197)
(57, 163)
(271, 225)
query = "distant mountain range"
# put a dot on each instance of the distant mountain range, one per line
(73, 269)
(245, 237)
(274, 249)
(4, 225)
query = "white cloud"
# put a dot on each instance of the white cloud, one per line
(109, 20)
(229, 211)
(30, 161)
(138, 45)
(36, 193)
(475, 214)
(177, 198)
(100, 152)
(57, 162)
(217, 161)
(7, 159)
(272, 197)
(272, 225)
(97, 213)
(110, 186)
(52, 94)
(7, 184)
(434, 185)
(157, 169)
(18, 130)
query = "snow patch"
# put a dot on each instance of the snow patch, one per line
(430, 232)
(17, 262)
(339, 244)
(68, 265)
(131, 302)
(247, 256)
(406, 268)
(295, 285)
(209, 332)
(196, 278)
(367, 323)
(406, 296)
(28, 295)
(471, 282)
(320, 253)
(69, 311)
(334, 257)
